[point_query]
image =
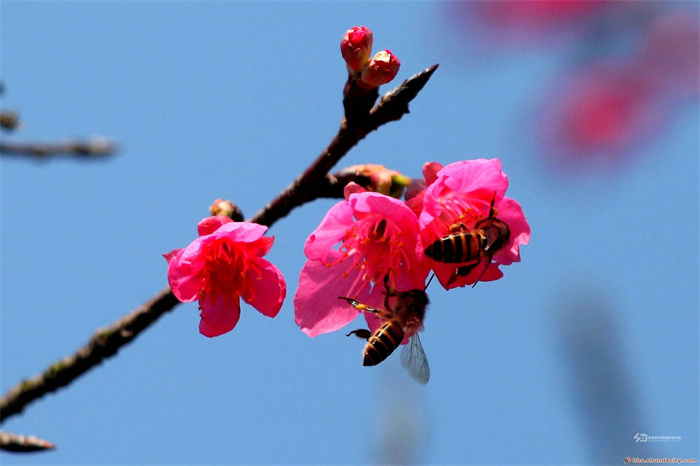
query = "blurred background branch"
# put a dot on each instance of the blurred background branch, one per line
(95, 147)
(23, 443)
(92, 148)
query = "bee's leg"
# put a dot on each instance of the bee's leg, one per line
(360, 333)
(486, 267)
(458, 228)
(388, 292)
(359, 306)
(462, 271)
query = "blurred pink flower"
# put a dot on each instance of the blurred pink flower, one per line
(600, 113)
(375, 235)
(461, 195)
(670, 53)
(224, 264)
(510, 23)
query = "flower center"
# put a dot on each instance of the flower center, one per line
(456, 213)
(224, 271)
(373, 245)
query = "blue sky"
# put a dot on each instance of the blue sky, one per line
(589, 340)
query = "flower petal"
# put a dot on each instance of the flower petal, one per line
(219, 315)
(209, 225)
(445, 274)
(267, 291)
(382, 206)
(169, 256)
(244, 232)
(510, 212)
(332, 228)
(316, 304)
(474, 175)
(184, 270)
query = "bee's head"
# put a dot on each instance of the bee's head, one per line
(415, 300)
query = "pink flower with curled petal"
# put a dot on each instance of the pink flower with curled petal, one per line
(461, 195)
(357, 244)
(223, 265)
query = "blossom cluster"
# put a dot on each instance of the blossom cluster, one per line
(368, 246)
(371, 237)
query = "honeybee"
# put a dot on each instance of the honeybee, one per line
(469, 246)
(405, 317)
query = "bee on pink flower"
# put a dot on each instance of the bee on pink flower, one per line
(468, 227)
(358, 243)
(223, 265)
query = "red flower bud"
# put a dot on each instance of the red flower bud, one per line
(227, 208)
(382, 68)
(356, 48)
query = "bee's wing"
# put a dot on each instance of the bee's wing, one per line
(414, 360)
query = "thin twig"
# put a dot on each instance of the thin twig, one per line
(312, 184)
(103, 344)
(92, 148)
(23, 443)
(392, 106)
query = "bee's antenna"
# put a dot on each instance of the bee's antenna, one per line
(427, 284)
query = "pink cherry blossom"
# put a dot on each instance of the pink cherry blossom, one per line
(601, 114)
(461, 194)
(357, 244)
(224, 264)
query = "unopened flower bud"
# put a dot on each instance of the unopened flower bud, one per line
(382, 68)
(227, 208)
(379, 179)
(356, 48)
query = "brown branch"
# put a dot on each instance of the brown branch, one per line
(92, 148)
(392, 106)
(312, 184)
(103, 344)
(23, 443)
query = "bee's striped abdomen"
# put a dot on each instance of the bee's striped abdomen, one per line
(382, 343)
(456, 248)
